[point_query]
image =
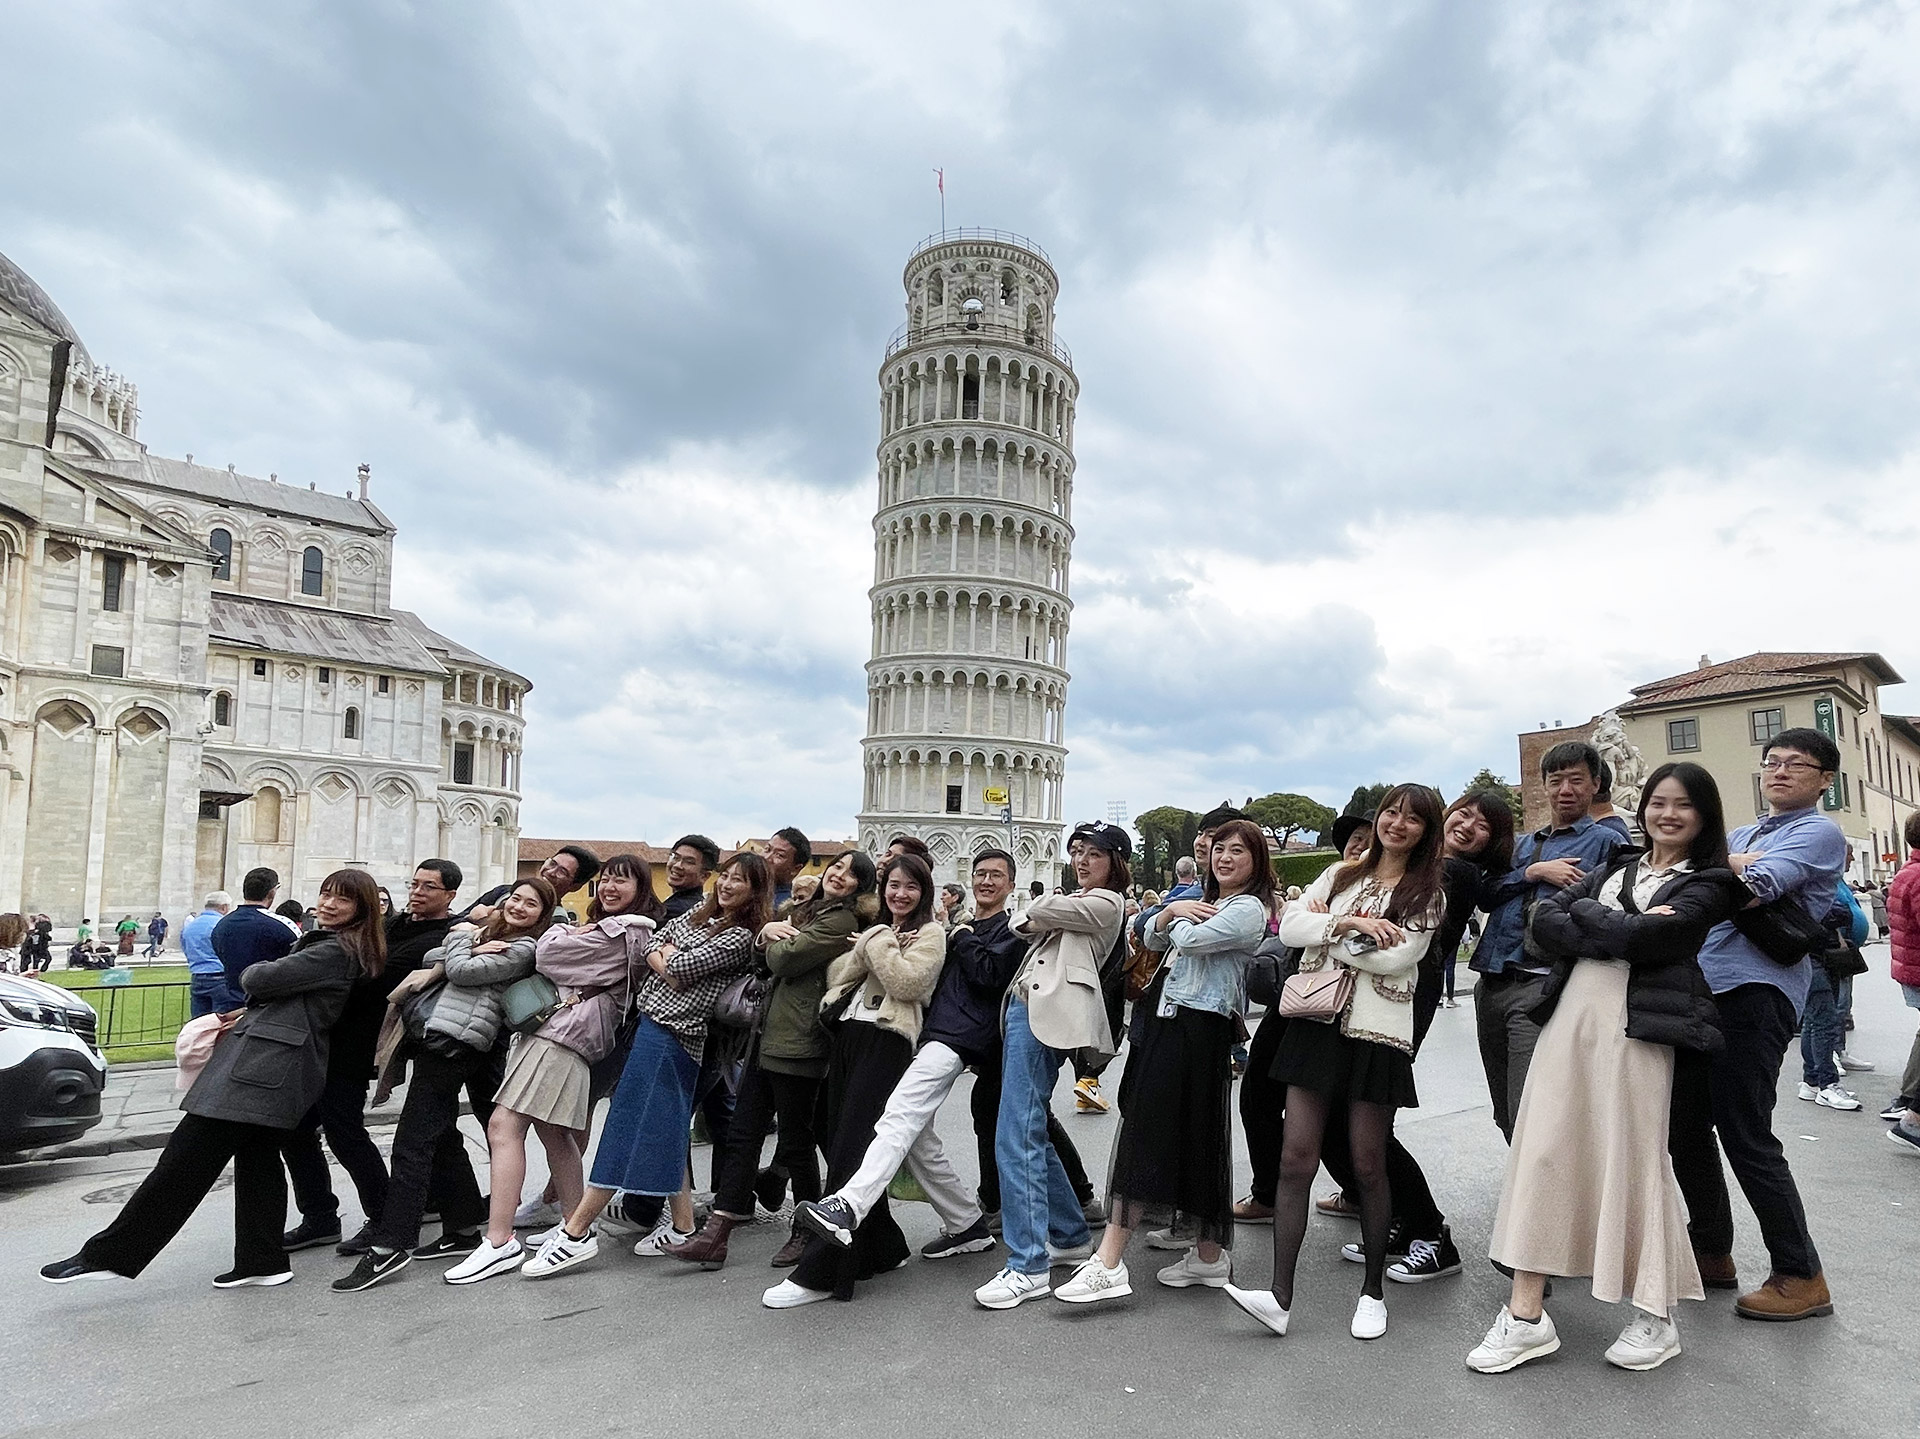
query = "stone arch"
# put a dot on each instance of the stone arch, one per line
(60, 784)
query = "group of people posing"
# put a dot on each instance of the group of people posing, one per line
(1637, 990)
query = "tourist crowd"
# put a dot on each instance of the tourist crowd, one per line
(1638, 985)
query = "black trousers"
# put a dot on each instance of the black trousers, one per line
(713, 1096)
(429, 1156)
(1733, 1092)
(196, 1153)
(986, 1123)
(768, 1097)
(867, 1062)
(1263, 1107)
(341, 1115)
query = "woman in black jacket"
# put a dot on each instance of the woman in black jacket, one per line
(263, 1077)
(1589, 1187)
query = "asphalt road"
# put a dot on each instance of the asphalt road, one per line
(647, 1347)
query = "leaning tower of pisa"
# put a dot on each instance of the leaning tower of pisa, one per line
(972, 535)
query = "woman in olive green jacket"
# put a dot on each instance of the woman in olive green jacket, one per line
(788, 1062)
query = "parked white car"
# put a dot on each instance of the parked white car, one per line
(51, 1067)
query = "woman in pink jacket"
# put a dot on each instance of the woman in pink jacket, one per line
(547, 1083)
(1903, 915)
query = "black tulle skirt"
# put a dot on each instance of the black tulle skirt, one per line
(1319, 1057)
(1172, 1159)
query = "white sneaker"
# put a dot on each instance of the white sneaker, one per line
(1646, 1343)
(1511, 1343)
(1261, 1304)
(1369, 1318)
(537, 1213)
(659, 1237)
(1173, 1237)
(1849, 1064)
(561, 1252)
(613, 1222)
(1093, 1281)
(1192, 1269)
(1834, 1097)
(487, 1261)
(1010, 1287)
(1069, 1253)
(788, 1295)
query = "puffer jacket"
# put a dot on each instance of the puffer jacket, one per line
(1903, 918)
(466, 1010)
(1668, 999)
(792, 1040)
(891, 983)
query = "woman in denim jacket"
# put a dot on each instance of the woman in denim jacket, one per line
(1172, 1161)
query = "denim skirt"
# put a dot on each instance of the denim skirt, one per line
(643, 1147)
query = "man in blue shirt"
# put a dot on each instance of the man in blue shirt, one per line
(211, 994)
(1513, 982)
(252, 932)
(1797, 853)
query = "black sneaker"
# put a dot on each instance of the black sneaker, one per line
(1427, 1259)
(311, 1234)
(770, 1188)
(234, 1279)
(65, 1271)
(831, 1218)
(971, 1240)
(372, 1268)
(1397, 1242)
(451, 1245)
(361, 1242)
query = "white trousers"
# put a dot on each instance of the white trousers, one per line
(905, 1132)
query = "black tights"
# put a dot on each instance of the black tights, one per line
(1368, 1126)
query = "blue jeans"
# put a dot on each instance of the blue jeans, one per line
(1036, 1201)
(211, 994)
(1820, 1032)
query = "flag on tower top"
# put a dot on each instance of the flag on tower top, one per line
(940, 179)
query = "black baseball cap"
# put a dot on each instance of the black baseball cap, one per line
(1109, 837)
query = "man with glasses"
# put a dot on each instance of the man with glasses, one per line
(568, 868)
(690, 864)
(341, 1113)
(1792, 853)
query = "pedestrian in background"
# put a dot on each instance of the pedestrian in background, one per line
(210, 992)
(1903, 920)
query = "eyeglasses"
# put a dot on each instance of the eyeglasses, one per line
(1789, 766)
(424, 887)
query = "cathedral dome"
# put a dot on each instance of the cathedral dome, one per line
(19, 293)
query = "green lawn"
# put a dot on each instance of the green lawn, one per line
(137, 1021)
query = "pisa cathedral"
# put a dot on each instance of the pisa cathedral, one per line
(973, 538)
(202, 671)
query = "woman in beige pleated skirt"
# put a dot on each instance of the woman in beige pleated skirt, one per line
(1589, 1189)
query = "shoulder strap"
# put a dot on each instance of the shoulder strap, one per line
(1629, 876)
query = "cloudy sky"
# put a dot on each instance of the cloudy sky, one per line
(1447, 366)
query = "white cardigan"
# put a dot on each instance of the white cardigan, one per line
(1381, 1009)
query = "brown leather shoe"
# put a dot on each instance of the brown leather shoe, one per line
(1784, 1296)
(708, 1248)
(790, 1252)
(1716, 1270)
(1251, 1211)
(1336, 1204)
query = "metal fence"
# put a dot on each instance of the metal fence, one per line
(133, 1015)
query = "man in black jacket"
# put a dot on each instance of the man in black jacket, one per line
(341, 1112)
(961, 1029)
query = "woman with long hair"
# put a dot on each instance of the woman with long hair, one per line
(13, 932)
(1376, 917)
(1172, 1160)
(262, 1078)
(453, 1011)
(548, 1080)
(879, 991)
(643, 1146)
(1589, 1188)
(787, 1062)
(1054, 1008)
(1477, 843)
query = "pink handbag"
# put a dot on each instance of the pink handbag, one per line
(193, 1046)
(1321, 995)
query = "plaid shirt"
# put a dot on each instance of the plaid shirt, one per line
(708, 959)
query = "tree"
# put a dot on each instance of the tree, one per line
(1366, 797)
(1284, 815)
(1488, 780)
(1166, 833)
